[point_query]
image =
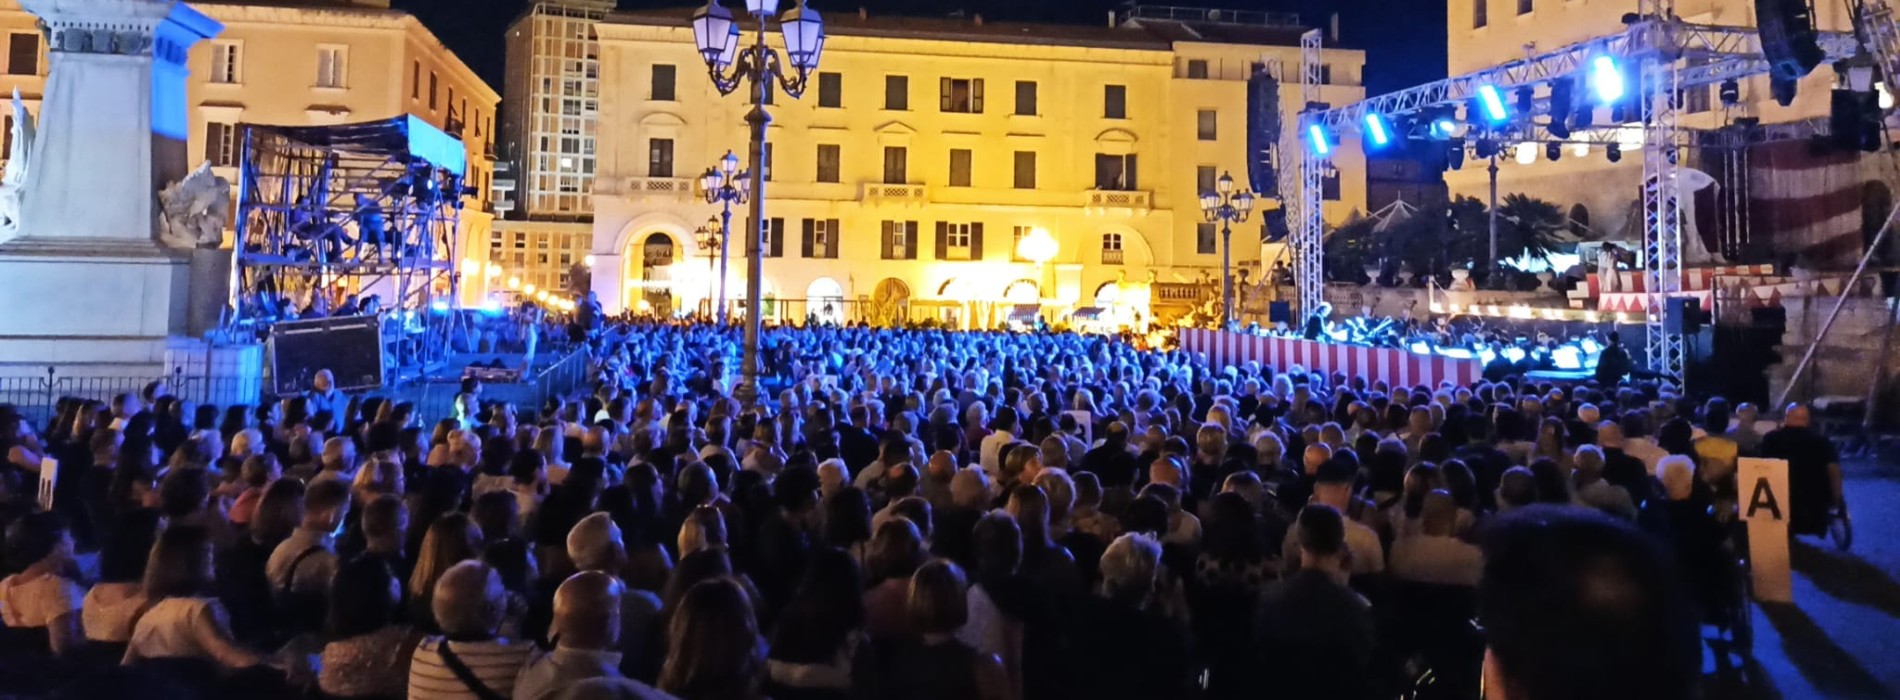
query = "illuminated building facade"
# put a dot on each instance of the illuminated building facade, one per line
(923, 150)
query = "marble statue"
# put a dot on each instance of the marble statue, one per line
(192, 210)
(19, 160)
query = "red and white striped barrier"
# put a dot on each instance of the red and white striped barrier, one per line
(1394, 366)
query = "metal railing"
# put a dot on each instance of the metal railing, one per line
(1175, 13)
(1111, 256)
(36, 397)
(1119, 199)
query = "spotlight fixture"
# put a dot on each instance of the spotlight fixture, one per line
(1613, 151)
(1554, 151)
(1491, 102)
(1485, 148)
(1560, 108)
(1319, 140)
(1584, 115)
(1606, 79)
(1730, 92)
(1580, 150)
(1526, 153)
(1526, 100)
(1444, 128)
(1455, 154)
(1378, 132)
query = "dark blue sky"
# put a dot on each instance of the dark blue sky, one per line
(1405, 39)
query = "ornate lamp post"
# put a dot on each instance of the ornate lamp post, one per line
(710, 238)
(1226, 207)
(725, 185)
(717, 36)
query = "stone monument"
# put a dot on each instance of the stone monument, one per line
(85, 284)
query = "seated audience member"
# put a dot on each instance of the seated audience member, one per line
(1434, 555)
(932, 664)
(1580, 605)
(114, 603)
(40, 605)
(586, 630)
(1315, 635)
(467, 661)
(818, 649)
(1132, 648)
(713, 649)
(368, 653)
(184, 620)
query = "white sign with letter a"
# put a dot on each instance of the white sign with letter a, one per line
(1763, 484)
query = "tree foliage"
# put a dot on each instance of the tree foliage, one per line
(1433, 243)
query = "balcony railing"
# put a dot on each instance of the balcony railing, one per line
(1111, 256)
(877, 192)
(1135, 200)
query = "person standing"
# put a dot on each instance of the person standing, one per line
(1814, 471)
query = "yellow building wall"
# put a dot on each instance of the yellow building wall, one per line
(1067, 132)
(1607, 191)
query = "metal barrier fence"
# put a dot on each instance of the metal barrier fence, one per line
(36, 397)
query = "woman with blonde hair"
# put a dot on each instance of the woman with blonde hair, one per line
(452, 538)
(933, 664)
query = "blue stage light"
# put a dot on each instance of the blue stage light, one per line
(1444, 129)
(1492, 102)
(1606, 79)
(1318, 141)
(439, 307)
(1377, 133)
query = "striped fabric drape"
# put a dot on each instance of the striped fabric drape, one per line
(1394, 366)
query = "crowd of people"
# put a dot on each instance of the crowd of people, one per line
(902, 514)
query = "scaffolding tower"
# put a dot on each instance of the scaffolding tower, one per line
(368, 209)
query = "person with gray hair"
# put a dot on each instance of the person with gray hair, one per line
(469, 660)
(1589, 488)
(595, 544)
(586, 628)
(1134, 649)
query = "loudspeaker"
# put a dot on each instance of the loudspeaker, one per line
(351, 347)
(1280, 312)
(1276, 227)
(1788, 40)
(1683, 316)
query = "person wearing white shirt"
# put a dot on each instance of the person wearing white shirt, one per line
(1002, 432)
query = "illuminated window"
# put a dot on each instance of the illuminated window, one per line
(962, 95)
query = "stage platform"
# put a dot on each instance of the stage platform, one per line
(1394, 366)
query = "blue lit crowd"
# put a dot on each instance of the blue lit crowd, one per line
(902, 514)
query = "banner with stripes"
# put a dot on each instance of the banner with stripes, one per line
(1394, 366)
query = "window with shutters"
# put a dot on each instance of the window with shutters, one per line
(433, 80)
(227, 62)
(896, 165)
(1016, 236)
(1207, 125)
(659, 157)
(963, 95)
(765, 163)
(1026, 98)
(1204, 239)
(959, 241)
(1115, 101)
(333, 66)
(828, 162)
(665, 76)
(1204, 179)
(899, 240)
(415, 80)
(1115, 172)
(959, 167)
(820, 239)
(23, 54)
(1524, 7)
(221, 144)
(1197, 69)
(830, 90)
(1025, 170)
(772, 238)
(1111, 249)
(897, 92)
(1480, 13)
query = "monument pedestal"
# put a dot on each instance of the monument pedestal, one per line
(101, 307)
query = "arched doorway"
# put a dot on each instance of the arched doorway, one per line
(824, 301)
(656, 273)
(890, 302)
(1023, 292)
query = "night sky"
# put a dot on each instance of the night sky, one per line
(1405, 38)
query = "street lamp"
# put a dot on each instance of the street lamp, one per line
(725, 184)
(716, 35)
(1226, 207)
(710, 237)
